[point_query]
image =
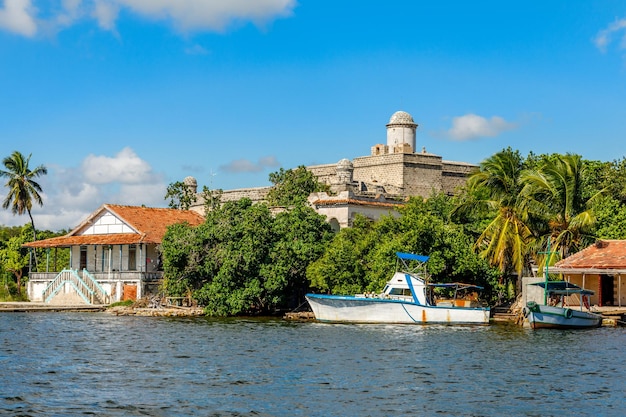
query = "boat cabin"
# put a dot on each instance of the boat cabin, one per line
(412, 284)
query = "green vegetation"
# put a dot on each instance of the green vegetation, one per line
(180, 195)
(292, 187)
(243, 259)
(125, 303)
(23, 188)
(517, 205)
(262, 258)
(361, 258)
(246, 260)
(15, 259)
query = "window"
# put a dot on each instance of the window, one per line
(83, 258)
(132, 258)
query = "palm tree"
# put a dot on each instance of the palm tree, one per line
(555, 190)
(496, 188)
(21, 184)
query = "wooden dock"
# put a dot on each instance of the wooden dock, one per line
(26, 307)
(299, 316)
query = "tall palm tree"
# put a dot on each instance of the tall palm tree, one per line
(22, 186)
(505, 240)
(555, 190)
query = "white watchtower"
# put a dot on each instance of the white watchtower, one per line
(401, 133)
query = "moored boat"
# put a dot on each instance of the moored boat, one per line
(556, 314)
(408, 298)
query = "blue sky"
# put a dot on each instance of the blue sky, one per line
(118, 98)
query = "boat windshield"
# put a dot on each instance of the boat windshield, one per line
(400, 291)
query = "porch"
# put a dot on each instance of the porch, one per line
(85, 287)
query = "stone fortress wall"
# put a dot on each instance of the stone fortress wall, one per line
(395, 169)
(392, 171)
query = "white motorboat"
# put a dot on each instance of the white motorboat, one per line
(407, 298)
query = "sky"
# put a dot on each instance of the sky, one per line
(119, 98)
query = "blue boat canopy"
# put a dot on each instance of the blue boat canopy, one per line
(458, 285)
(562, 287)
(411, 256)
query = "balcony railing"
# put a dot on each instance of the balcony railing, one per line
(104, 276)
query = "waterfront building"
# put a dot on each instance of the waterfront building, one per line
(113, 256)
(601, 268)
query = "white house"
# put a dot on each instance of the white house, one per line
(113, 255)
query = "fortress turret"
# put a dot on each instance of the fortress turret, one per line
(191, 184)
(344, 171)
(401, 133)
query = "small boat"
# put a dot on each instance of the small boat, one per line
(408, 298)
(555, 314)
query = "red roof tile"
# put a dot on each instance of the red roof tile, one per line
(604, 254)
(150, 224)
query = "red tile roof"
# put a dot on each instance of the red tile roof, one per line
(149, 223)
(603, 255)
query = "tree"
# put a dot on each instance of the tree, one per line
(301, 235)
(292, 186)
(555, 192)
(343, 268)
(15, 259)
(610, 218)
(23, 188)
(613, 179)
(496, 189)
(181, 195)
(244, 259)
(362, 258)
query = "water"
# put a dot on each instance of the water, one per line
(75, 364)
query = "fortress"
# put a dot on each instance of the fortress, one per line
(372, 185)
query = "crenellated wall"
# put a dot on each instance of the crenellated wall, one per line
(325, 173)
(454, 175)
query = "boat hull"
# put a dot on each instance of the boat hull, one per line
(541, 316)
(350, 309)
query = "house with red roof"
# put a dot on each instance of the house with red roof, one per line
(601, 268)
(113, 255)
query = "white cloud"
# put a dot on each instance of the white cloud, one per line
(604, 37)
(472, 126)
(125, 167)
(151, 195)
(22, 17)
(17, 16)
(71, 12)
(209, 15)
(244, 165)
(106, 14)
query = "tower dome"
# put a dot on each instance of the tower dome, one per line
(344, 171)
(191, 183)
(401, 133)
(401, 118)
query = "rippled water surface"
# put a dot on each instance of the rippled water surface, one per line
(66, 364)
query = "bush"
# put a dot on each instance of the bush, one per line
(8, 292)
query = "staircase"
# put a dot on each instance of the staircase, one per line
(504, 314)
(86, 287)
